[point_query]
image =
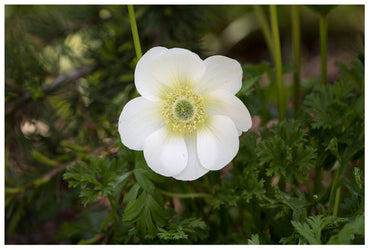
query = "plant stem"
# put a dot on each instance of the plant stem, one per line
(297, 54)
(323, 46)
(114, 208)
(334, 186)
(186, 196)
(278, 63)
(265, 28)
(336, 203)
(135, 34)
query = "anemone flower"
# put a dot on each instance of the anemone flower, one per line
(187, 119)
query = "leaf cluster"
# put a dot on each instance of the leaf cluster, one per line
(286, 153)
(97, 178)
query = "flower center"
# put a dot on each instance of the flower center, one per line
(183, 110)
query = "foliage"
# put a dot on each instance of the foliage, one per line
(69, 180)
(287, 153)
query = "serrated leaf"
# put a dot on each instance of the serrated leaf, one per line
(133, 211)
(143, 180)
(157, 210)
(182, 229)
(349, 230)
(286, 153)
(311, 229)
(147, 211)
(177, 234)
(131, 195)
(97, 177)
(89, 195)
(147, 217)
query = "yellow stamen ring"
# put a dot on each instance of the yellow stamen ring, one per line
(183, 110)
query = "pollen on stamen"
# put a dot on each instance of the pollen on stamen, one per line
(183, 110)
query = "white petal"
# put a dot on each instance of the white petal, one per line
(177, 67)
(221, 102)
(145, 82)
(165, 153)
(139, 118)
(221, 73)
(193, 169)
(218, 143)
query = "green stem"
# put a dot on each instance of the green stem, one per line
(114, 208)
(334, 186)
(336, 203)
(135, 34)
(323, 46)
(265, 28)
(297, 54)
(278, 63)
(186, 196)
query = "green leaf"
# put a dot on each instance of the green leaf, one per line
(247, 89)
(88, 195)
(286, 152)
(146, 212)
(143, 180)
(255, 240)
(253, 187)
(97, 177)
(182, 229)
(133, 211)
(311, 229)
(329, 106)
(176, 234)
(347, 234)
(131, 195)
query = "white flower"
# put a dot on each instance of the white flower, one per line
(188, 119)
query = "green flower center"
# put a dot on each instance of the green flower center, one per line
(183, 110)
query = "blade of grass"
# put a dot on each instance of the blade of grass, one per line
(265, 28)
(278, 63)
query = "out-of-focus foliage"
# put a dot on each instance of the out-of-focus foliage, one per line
(68, 179)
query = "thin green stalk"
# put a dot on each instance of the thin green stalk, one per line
(114, 208)
(278, 63)
(336, 203)
(296, 32)
(265, 28)
(135, 34)
(186, 196)
(323, 46)
(334, 197)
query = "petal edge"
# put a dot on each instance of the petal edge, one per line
(165, 153)
(138, 119)
(218, 143)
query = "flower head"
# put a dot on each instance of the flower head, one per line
(188, 119)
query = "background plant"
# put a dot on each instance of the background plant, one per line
(68, 179)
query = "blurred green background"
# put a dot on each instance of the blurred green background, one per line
(69, 72)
